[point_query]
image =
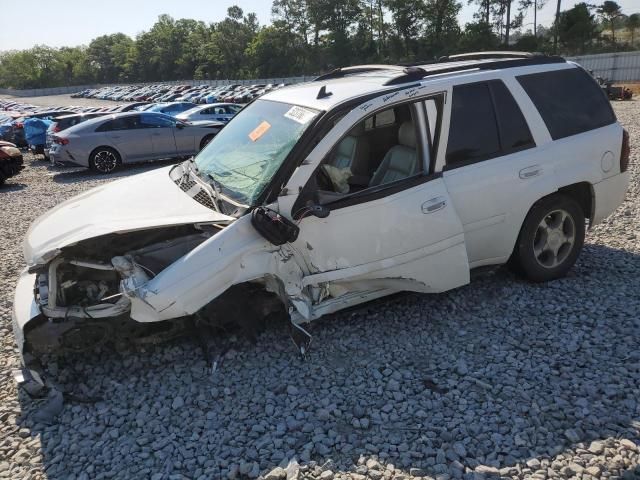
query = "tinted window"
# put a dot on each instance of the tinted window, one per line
(148, 120)
(514, 131)
(120, 123)
(473, 131)
(569, 101)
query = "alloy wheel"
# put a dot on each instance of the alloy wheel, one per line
(105, 161)
(554, 238)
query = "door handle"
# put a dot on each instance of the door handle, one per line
(530, 172)
(433, 205)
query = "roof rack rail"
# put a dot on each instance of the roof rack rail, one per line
(344, 71)
(491, 63)
(487, 55)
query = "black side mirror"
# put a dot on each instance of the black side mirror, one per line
(179, 125)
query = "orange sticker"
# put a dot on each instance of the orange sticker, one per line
(259, 131)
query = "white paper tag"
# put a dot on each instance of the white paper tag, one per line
(299, 114)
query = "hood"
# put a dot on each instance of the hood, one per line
(139, 202)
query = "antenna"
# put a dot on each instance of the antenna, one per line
(323, 93)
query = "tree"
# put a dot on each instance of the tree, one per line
(537, 5)
(633, 23)
(441, 21)
(577, 28)
(609, 11)
(407, 18)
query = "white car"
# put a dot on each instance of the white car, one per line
(220, 112)
(367, 181)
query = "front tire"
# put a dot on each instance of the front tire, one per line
(104, 160)
(550, 239)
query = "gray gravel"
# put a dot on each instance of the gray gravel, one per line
(499, 378)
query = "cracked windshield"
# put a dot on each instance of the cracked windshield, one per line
(248, 152)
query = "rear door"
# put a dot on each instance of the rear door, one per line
(493, 170)
(160, 129)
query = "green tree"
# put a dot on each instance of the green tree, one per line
(577, 28)
(633, 23)
(609, 11)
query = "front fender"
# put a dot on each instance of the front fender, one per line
(235, 255)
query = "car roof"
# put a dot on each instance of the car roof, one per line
(343, 84)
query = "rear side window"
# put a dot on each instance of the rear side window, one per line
(120, 123)
(569, 101)
(514, 131)
(486, 122)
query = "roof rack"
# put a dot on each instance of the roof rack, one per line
(487, 55)
(344, 71)
(491, 63)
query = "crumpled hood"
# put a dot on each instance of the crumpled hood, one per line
(138, 202)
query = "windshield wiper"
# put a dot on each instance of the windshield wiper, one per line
(218, 196)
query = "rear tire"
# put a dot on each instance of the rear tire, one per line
(104, 160)
(550, 239)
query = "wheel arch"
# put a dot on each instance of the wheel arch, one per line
(110, 147)
(581, 192)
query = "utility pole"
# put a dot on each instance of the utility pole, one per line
(557, 29)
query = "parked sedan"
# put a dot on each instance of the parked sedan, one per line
(221, 112)
(105, 143)
(173, 109)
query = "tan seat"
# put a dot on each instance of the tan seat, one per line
(353, 151)
(401, 161)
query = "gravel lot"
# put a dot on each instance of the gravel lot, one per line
(499, 378)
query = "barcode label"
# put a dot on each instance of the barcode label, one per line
(299, 114)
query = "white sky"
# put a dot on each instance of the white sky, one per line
(76, 22)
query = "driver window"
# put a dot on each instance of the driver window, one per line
(381, 149)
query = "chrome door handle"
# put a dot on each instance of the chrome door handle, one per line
(434, 205)
(530, 172)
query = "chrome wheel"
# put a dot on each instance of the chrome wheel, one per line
(554, 239)
(105, 161)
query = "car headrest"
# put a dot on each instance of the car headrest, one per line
(407, 135)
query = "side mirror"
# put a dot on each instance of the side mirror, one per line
(179, 125)
(319, 211)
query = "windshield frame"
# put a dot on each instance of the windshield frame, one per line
(280, 176)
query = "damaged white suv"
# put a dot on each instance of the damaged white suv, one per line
(367, 181)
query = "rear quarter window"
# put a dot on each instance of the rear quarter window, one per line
(569, 101)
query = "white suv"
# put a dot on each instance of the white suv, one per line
(367, 181)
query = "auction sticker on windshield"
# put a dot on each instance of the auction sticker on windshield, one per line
(300, 115)
(259, 131)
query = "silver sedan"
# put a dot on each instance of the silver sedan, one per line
(104, 143)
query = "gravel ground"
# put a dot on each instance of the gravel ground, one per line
(499, 378)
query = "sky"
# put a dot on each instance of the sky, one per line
(76, 22)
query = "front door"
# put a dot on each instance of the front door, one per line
(390, 227)
(160, 129)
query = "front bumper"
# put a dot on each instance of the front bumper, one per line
(25, 308)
